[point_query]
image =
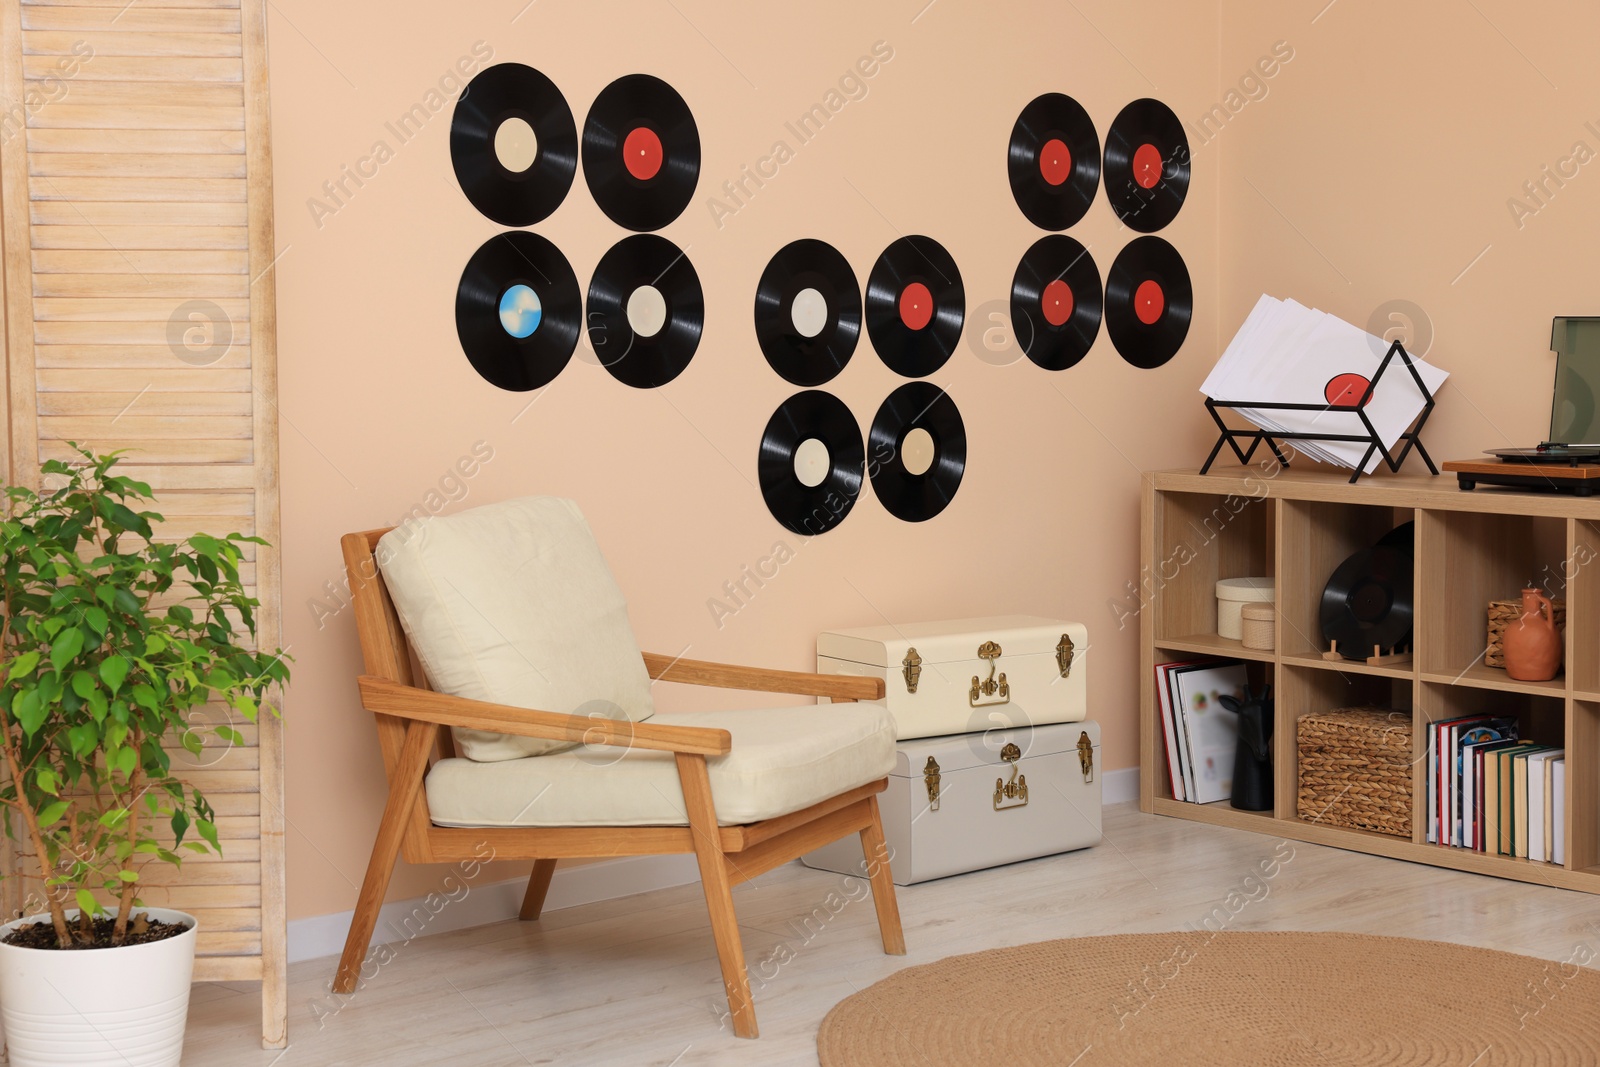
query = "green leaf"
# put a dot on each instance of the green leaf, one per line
(46, 781)
(23, 664)
(86, 902)
(30, 712)
(128, 876)
(65, 647)
(154, 644)
(126, 760)
(113, 669)
(51, 813)
(97, 618)
(208, 831)
(114, 818)
(83, 738)
(82, 683)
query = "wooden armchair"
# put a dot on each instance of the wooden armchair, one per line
(409, 717)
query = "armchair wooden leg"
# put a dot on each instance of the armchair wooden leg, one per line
(538, 886)
(403, 787)
(719, 891)
(876, 852)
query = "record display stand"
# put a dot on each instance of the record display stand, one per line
(1412, 438)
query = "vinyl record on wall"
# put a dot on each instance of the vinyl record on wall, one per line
(513, 144)
(808, 312)
(1056, 302)
(646, 311)
(1147, 165)
(915, 306)
(1053, 161)
(1149, 302)
(641, 152)
(518, 311)
(918, 446)
(811, 462)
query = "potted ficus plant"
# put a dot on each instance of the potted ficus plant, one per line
(113, 643)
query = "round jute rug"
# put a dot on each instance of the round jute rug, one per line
(1237, 999)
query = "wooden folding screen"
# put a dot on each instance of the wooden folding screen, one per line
(136, 206)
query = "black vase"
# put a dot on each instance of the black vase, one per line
(1252, 763)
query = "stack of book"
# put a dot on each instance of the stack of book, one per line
(1201, 734)
(1492, 792)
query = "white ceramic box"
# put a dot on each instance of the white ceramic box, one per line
(963, 675)
(971, 801)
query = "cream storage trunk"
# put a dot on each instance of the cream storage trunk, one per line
(967, 674)
(963, 803)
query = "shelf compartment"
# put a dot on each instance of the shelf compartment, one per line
(1315, 537)
(1304, 689)
(1579, 581)
(1200, 539)
(1467, 559)
(1583, 785)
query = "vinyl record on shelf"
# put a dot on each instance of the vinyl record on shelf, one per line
(641, 152)
(646, 311)
(513, 144)
(918, 446)
(915, 306)
(1147, 165)
(1149, 302)
(1367, 601)
(1056, 302)
(1053, 161)
(518, 311)
(811, 462)
(808, 312)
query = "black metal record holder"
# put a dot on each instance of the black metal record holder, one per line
(1411, 438)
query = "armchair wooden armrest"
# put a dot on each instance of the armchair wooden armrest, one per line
(409, 702)
(761, 679)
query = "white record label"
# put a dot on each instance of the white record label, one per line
(647, 311)
(809, 312)
(516, 146)
(811, 461)
(917, 451)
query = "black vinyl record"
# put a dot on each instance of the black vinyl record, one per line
(808, 312)
(917, 476)
(641, 152)
(1149, 302)
(1053, 161)
(811, 433)
(1147, 165)
(513, 144)
(915, 306)
(1368, 603)
(1056, 302)
(518, 311)
(646, 311)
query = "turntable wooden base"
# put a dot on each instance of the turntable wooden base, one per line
(1577, 479)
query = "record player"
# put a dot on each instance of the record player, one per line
(1569, 461)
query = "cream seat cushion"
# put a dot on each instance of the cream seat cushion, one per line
(782, 760)
(513, 603)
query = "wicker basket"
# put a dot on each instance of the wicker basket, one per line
(1504, 612)
(1355, 769)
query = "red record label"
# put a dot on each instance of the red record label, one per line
(916, 306)
(1147, 166)
(1055, 161)
(1149, 302)
(641, 153)
(1346, 388)
(1056, 303)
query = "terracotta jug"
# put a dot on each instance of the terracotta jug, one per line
(1532, 644)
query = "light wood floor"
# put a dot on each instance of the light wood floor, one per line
(635, 981)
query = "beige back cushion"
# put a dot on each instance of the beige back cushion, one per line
(512, 603)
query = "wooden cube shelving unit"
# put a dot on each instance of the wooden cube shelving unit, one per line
(1471, 547)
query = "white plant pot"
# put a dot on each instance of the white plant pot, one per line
(104, 1007)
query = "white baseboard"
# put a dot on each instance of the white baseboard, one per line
(491, 902)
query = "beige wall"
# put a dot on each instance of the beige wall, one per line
(379, 404)
(1380, 166)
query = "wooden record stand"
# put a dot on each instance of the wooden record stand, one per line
(1580, 479)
